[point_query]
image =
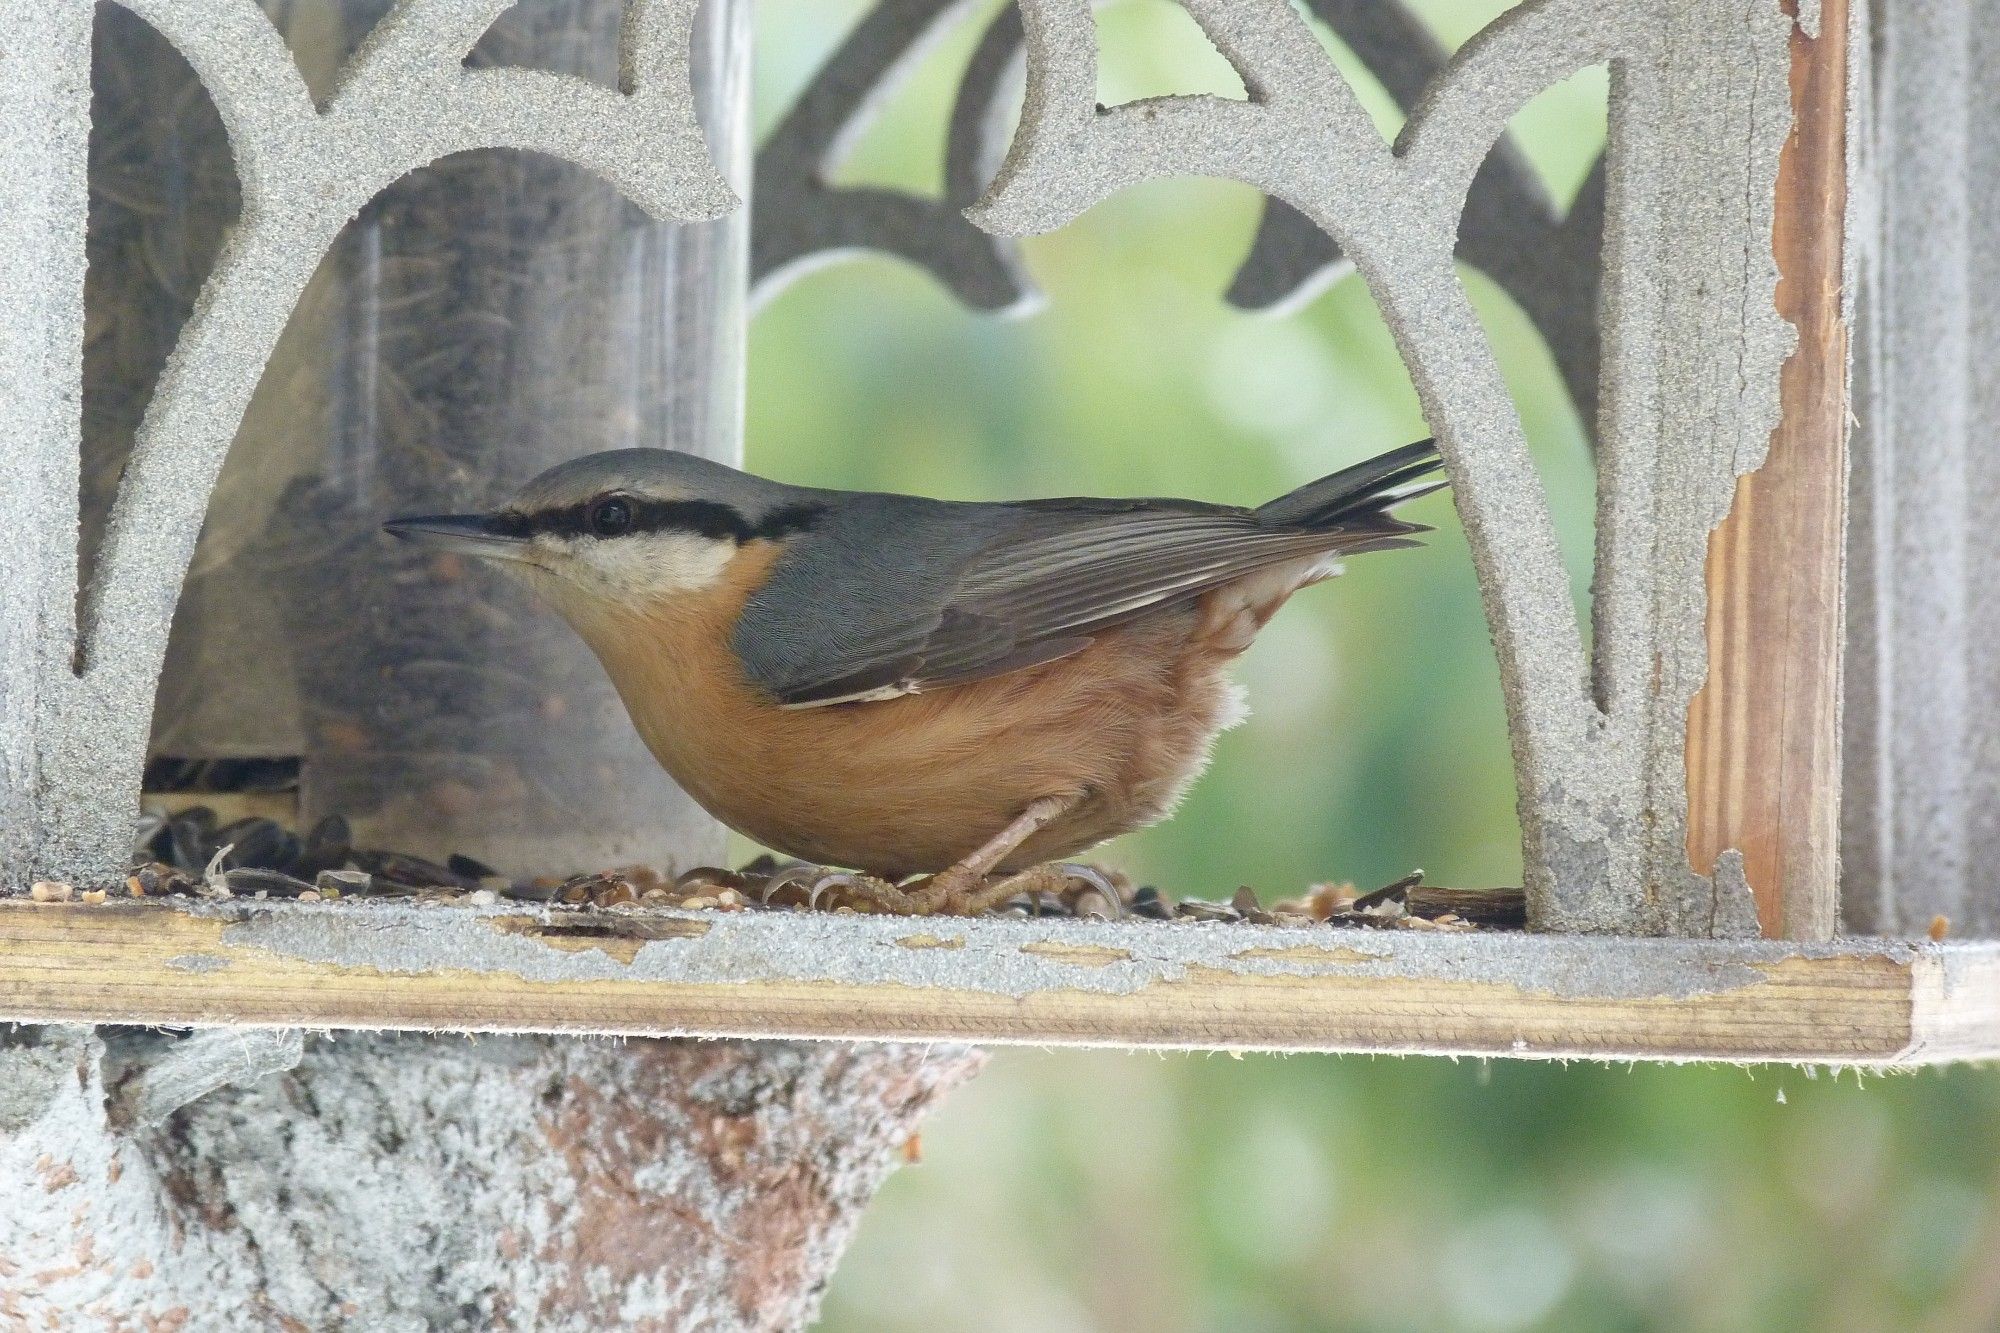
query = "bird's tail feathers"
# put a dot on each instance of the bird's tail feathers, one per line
(1358, 499)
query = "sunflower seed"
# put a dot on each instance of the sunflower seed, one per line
(252, 880)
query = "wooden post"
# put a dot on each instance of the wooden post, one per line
(1764, 732)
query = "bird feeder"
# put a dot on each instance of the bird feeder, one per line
(1720, 861)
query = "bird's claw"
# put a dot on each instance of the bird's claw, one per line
(953, 892)
(801, 875)
(1095, 881)
(877, 893)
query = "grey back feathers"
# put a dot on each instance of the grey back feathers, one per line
(888, 595)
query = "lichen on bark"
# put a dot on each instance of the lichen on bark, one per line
(407, 1181)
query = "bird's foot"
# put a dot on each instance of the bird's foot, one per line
(870, 890)
(1080, 889)
(958, 891)
(954, 892)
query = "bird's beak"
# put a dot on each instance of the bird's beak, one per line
(482, 535)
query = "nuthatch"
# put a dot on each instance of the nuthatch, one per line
(904, 685)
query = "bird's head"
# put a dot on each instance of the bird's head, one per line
(621, 530)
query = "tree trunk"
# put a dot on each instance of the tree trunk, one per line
(404, 1182)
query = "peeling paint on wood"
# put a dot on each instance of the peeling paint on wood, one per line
(1112, 983)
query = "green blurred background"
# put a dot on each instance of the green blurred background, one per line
(1074, 1190)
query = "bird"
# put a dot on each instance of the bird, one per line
(947, 698)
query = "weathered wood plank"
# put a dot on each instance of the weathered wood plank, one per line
(1132, 983)
(1763, 753)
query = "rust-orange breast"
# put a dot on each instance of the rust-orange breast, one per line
(914, 783)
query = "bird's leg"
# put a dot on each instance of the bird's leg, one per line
(962, 889)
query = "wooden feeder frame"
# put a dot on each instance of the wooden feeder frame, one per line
(1642, 887)
(1132, 984)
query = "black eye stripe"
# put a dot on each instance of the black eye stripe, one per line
(609, 516)
(509, 523)
(703, 518)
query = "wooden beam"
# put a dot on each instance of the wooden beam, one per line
(663, 972)
(1763, 751)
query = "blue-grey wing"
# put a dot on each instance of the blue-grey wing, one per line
(892, 594)
(942, 594)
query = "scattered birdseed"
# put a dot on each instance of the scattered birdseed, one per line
(333, 883)
(264, 883)
(1193, 909)
(50, 891)
(192, 854)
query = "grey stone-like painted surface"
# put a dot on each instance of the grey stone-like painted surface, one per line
(1546, 258)
(1921, 815)
(992, 957)
(44, 132)
(801, 221)
(480, 320)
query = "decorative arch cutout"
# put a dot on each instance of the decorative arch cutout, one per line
(1600, 747)
(1602, 790)
(405, 99)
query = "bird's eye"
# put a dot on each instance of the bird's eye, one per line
(610, 516)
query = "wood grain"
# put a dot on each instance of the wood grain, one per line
(1763, 753)
(1231, 987)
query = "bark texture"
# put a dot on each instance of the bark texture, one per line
(407, 1182)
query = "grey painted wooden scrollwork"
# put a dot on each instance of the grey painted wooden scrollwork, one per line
(1692, 344)
(1544, 257)
(76, 684)
(802, 220)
